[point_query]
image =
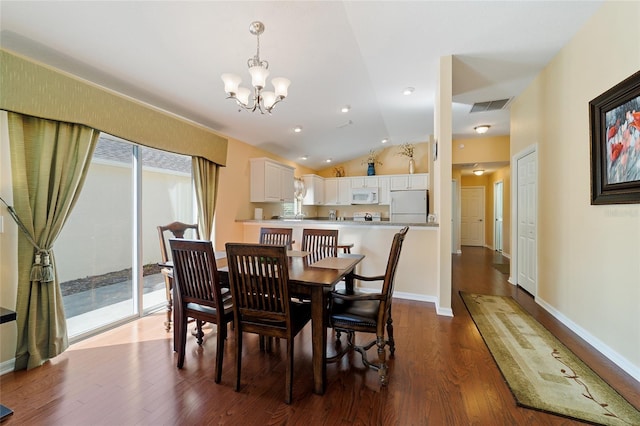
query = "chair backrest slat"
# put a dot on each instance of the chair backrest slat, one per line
(176, 230)
(195, 272)
(259, 275)
(392, 266)
(323, 242)
(276, 236)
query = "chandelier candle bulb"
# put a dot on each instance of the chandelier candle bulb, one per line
(282, 86)
(259, 70)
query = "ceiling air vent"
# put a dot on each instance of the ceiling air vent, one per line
(489, 106)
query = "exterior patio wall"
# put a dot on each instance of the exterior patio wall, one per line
(92, 244)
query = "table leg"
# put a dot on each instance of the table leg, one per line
(319, 338)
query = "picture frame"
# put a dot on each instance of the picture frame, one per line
(614, 119)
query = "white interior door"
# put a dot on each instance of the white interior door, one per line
(454, 215)
(472, 216)
(527, 222)
(497, 207)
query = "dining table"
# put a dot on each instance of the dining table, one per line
(311, 277)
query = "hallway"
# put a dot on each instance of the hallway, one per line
(473, 272)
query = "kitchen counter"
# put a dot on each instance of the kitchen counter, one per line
(416, 276)
(325, 221)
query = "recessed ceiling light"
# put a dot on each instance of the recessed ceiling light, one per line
(328, 160)
(482, 128)
(385, 140)
(345, 108)
(478, 172)
(297, 129)
(407, 91)
(304, 157)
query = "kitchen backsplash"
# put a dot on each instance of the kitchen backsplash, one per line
(348, 210)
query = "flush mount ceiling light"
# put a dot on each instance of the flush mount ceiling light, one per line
(478, 172)
(407, 91)
(297, 129)
(345, 108)
(482, 128)
(262, 100)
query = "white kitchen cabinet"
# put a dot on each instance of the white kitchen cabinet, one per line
(270, 181)
(314, 185)
(337, 191)
(414, 181)
(384, 195)
(364, 181)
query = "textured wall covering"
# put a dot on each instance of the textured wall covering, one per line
(33, 89)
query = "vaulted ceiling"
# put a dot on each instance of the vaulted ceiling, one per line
(358, 53)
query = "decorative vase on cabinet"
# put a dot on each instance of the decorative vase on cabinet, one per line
(412, 165)
(371, 170)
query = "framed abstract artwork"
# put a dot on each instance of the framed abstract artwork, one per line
(614, 118)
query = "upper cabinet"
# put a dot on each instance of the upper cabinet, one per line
(271, 181)
(337, 191)
(384, 197)
(414, 181)
(314, 185)
(364, 181)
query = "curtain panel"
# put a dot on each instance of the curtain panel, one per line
(205, 179)
(49, 162)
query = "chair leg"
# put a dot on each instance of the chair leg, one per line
(382, 362)
(289, 374)
(222, 335)
(238, 333)
(391, 342)
(180, 339)
(167, 323)
(199, 333)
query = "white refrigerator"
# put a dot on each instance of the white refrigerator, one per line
(409, 206)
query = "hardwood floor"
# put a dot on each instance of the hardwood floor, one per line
(442, 374)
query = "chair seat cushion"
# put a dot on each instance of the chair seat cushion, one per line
(227, 303)
(355, 312)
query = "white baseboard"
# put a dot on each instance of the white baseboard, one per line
(418, 297)
(445, 312)
(613, 356)
(7, 366)
(507, 255)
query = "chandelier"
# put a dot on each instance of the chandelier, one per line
(262, 100)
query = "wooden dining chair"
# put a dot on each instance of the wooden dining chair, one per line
(172, 230)
(320, 242)
(199, 295)
(351, 311)
(277, 236)
(259, 279)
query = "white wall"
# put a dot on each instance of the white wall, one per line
(416, 276)
(92, 245)
(588, 256)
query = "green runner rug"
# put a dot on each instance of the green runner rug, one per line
(541, 372)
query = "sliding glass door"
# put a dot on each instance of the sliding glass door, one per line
(108, 251)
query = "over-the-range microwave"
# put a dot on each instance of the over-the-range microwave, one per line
(364, 196)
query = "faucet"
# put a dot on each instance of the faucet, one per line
(332, 214)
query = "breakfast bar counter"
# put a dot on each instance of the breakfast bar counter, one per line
(416, 277)
(325, 221)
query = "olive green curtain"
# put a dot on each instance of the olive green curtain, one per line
(49, 162)
(205, 178)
